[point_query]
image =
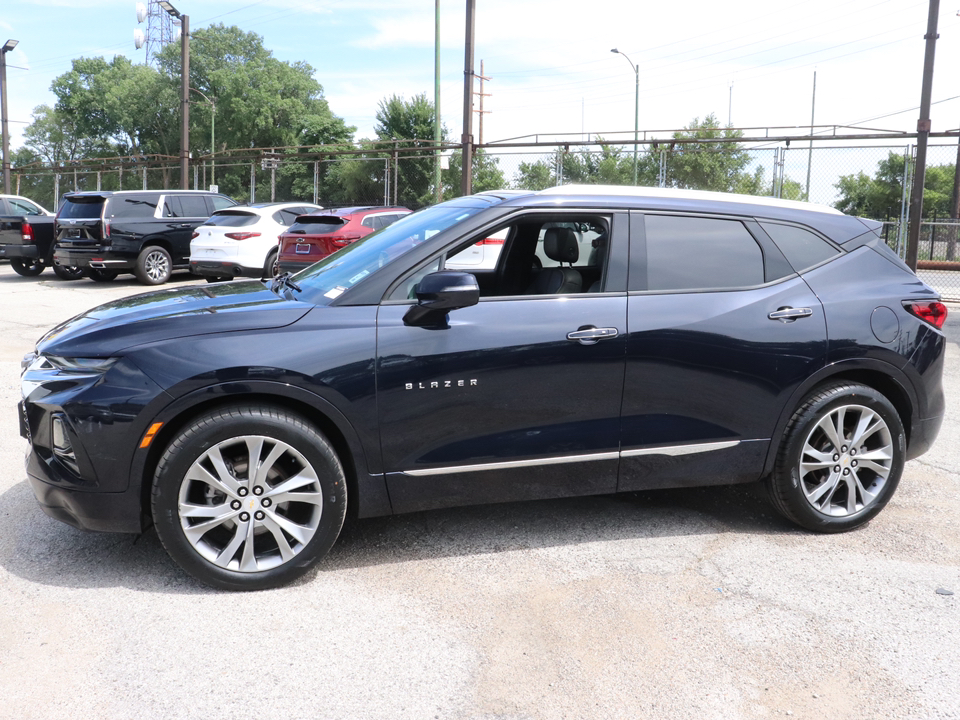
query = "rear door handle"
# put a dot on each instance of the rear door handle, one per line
(789, 314)
(589, 335)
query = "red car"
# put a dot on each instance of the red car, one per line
(313, 237)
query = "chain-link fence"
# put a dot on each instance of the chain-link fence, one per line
(869, 180)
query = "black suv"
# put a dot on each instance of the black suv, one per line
(145, 232)
(627, 339)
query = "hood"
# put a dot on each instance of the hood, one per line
(169, 314)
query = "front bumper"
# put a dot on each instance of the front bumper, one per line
(19, 251)
(294, 266)
(99, 511)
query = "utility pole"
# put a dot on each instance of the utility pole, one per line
(813, 106)
(185, 102)
(466, 179)
(923, 132)
(436, 103)
(481, 112)
(7, 47)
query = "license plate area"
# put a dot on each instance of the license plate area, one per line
(303, 249)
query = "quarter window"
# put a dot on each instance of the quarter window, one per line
(802, 248)
(193, 206)
(691, 253)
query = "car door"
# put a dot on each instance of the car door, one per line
(516, 397)
(721, 332)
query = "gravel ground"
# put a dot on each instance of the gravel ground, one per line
(672, 604)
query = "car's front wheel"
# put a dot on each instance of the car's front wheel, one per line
(248, 497)
(840, 459)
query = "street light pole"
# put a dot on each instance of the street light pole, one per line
(636, 110)
(7, 47)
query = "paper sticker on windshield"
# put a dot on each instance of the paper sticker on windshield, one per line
(335, 293)
(358, 277)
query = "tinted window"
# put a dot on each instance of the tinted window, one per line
(803, 248)
(688, 253)
(81, 208)
(286, 216)
(132, 206)
(22, 207)
(193, 206)
(317, 225)
(232, 218)
(171, 206)
(371, 221)
(220, 202)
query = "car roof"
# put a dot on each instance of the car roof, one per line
(261, 209)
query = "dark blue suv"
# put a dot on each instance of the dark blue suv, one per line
(627, 339)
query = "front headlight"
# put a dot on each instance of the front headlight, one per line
(83, 365)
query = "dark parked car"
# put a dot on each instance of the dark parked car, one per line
(312, 237)
(146, 232)
(26, 238)
(696, 339)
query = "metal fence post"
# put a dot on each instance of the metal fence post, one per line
(144, 177)
(253, 182)
(904, 199)
(316, 181)
(386, 181)
(195, 178)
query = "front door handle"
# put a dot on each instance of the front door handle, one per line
(590, 335)
(789, 314)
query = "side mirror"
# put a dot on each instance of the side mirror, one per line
(440, 292)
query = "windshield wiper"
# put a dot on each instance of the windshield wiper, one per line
(284, 283)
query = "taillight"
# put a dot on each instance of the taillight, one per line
(934, 313)
(241, 235)
(491, 241)
(26, 232)
(343, 240)
(195, 234)
(106, 229)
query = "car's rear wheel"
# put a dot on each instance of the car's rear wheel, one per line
(248, 497)
(271, 266)
(67, 272)
(100, 275)
(154, 265)
(28, 267)
(840, 459)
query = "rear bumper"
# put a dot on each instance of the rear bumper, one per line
(215, 268)
(922, 435)
(92, 259)
(19, 251)
(295, 266)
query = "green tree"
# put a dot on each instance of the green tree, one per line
(410, 123)
(612, 165)
(880, 196)
(719, 166)
(487, 174)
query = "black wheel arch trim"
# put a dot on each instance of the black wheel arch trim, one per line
(366, 491)
(861, 370)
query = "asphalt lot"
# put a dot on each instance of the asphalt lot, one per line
(671, 604)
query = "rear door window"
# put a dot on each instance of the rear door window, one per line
(193, 206)
(171, 206)
(132, 206)
(696, 253)
(220, 202)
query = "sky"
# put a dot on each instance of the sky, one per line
(550, 63)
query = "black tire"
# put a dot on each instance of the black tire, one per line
(251, 525)
(218, 278)
(154, 265)
(826, 488)
(28, 267)
(67, 272)
(100, 275)
(270, 266)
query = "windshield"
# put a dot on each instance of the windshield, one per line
(328, 279)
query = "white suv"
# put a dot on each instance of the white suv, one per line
(242, 241)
